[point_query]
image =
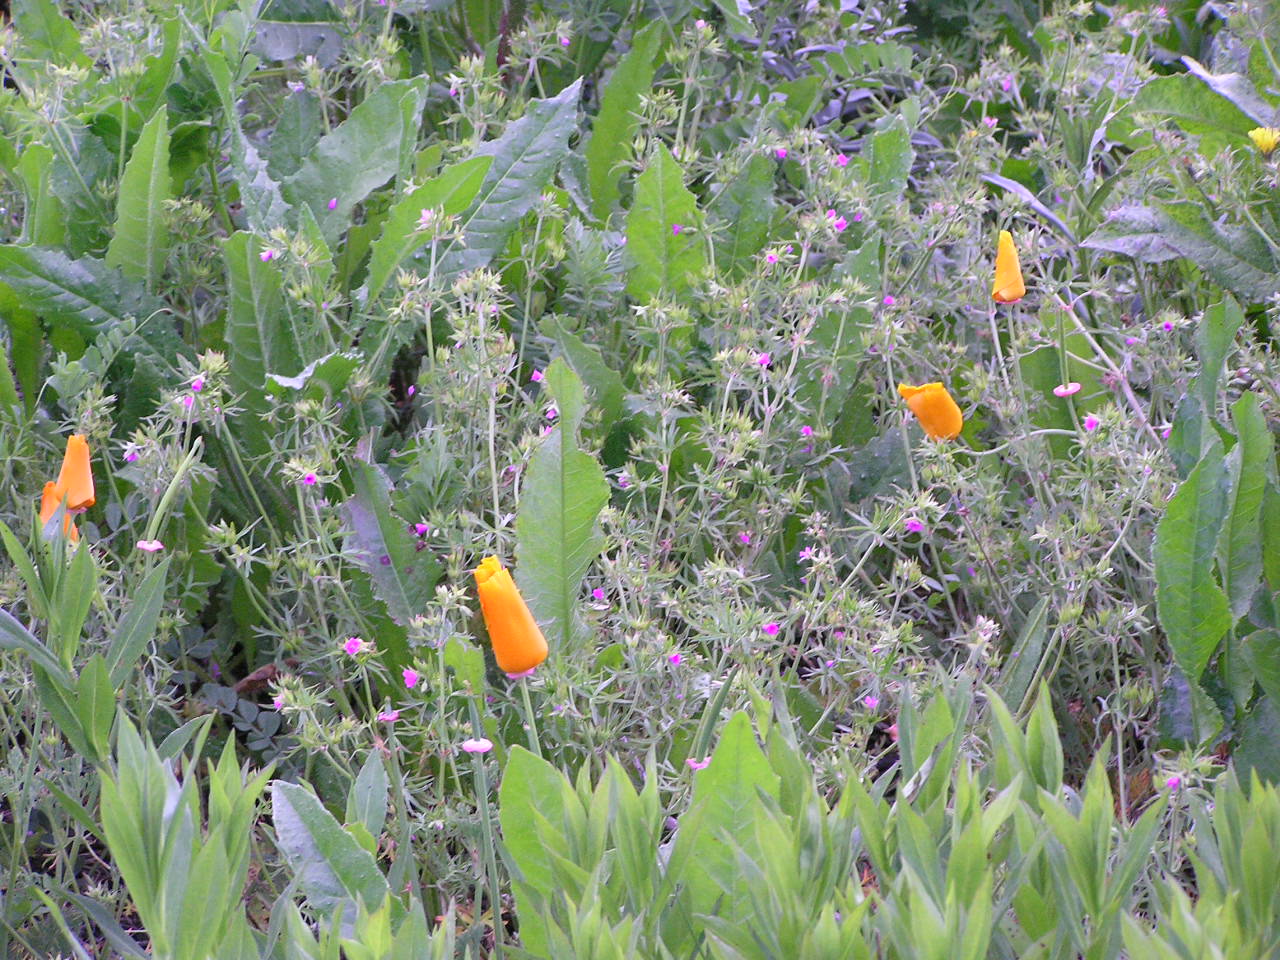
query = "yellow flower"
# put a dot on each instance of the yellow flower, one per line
(50, 500)
(934, 408)
(518, 643)
(1008, 286)
(76, 478)
(1265, 139)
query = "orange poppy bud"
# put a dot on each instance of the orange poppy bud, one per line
(518, 643)
(50, 500)
(934, 408)
(76, 478)
(1008, 286)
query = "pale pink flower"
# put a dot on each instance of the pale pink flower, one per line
(698, 764)
(150, 546)
(477, 745)
(989, 121)
(1066, 389)
(870, 702)
(278, 703)
(389, 716)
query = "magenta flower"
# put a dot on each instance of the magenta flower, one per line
(536, 376)
(913, 525)
(278, 703)
(888, 300)
(410, 677)
(1130, 341)
(745, 537)
(197, 384)
(389, 716)
(841, 160)
(1006, 83)
(857, 217)
(771, 629)
(1091, 422)
(411, 390)
(597, 593)
(1066, 389)
(477, 745)
(552, 413)
(564, 41)
(698, 764)
(675, 659)
(870, 702)
(310, 479)
(781, 153)
(700, 24)
(130, 456)
(989, 121)
(763, 359)
(266, 256)
(675, 229)
(806, 431)
(1174, 782)
(352, 646)
(188, 401)
(770, 258)
(333, 203)
(840, 223)
(422, 529)
(1167, 325)
(150, 546)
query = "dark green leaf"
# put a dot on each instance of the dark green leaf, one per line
(745, 205)
(301, 126)
(367, 802)
(1214, 336)
(1235, 256)
(141, 240)
(1250, 464)
(1133, 231)
(663, 232)
(1258, 750)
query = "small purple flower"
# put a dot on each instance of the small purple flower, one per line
(1130, 341)
(745, 537)
(422, 529)
(352, 646)
(297, 86)
(870, 702)
(1174, 782)
(771, 629)
(989, 121)
(597, 594)
(781, 153)
(857, 217)
(564, 41)
(197, 384)
(266, 256)
(278, 703)
(1167, 325)
(675, 659)
(1091, 423)
(913, 525)
(698, 764)
(188, 401)
(130, 456)
(770, 258)
(675, 229)
(410, 676)
(1006, 84)
(552, 413)
(333, 203)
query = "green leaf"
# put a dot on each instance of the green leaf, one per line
(1250, 464)
(1133, 231)
(1196, 108)
(1237, 257)
(360, 155)
(1271, 536)
(745, 205)
(46, 32)
(524, 158)
(1258, 749)
(43, 223)
(259, 337)
(1214, 336)
(381, 545)
(1191, 606)
(721, 818)
(301, 126)
(663, 261)
(14, 636)
(26, 345)
(887, 158)
(452, 192)
(1261, 650)
(69, 605)
(141, 241)
(466, 661)
(329, 864)
(85, 294)
(614, 127)
(137, 628)
(95, 706)
(605, 384)
(1239, 90)
(556, 533)
(264, 206)
(367, 802)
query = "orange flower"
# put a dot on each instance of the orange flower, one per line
(76, 478)
(50, 500)
(1008, 286)
(518, 643)
(934, 408)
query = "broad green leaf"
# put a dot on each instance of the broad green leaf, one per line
(605, 384)
(1191, 606)
(26, 345)
(141, 241)
(367, 802)
(43, 223)
(1237, 257)
(1250, 464)
(745, 205)
(1133, 231)
(259, 336)
(722, 816)
(360, 155)
(1261, 651)
(1239, 90)
(95, 706)
(1259, 742)
(1196, 108)
(301, 126)
(563, 494)
(467, 663)
(1270, 534)
(887, 158)
(137, 628)
(614, 127)
(380, 543)
(264, 206)
(85, 294)
(330, 866)
(290, 40)
(663, 232)
(451, 193)
(524, 158)
(1214, 336)
(14, 636)
(46, 32)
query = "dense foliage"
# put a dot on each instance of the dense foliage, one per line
(862, 419)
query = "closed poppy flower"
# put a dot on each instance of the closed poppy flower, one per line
(934, 408)
(75, 480)
(1008, 286)
(50, 500)
(518, 643)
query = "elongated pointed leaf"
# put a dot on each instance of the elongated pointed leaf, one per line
(1250, 464)
(667, 252)
(141, 241)
(524, 158)
(563, 494)
(95, 705)
(45, 31)
(1214, 335)
(745, 206)
(14, 636)
(1191, 606)
(615, 125)
(330, 865)
(138, 626)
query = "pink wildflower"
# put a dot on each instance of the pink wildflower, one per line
(477, 745)
(840, 223)
(870, 702)
(1091, 422)
(333, 203)
(410, 676)
(1066, 389)
(781, 153)
(675, 659)
(989, 121)
(278, 703)
(889, 301)
(1174, 782)
(422, 529)
(770, 258)
(914, 526)
(150, 546)
(197, 384)
(597, 594)
(698, 764)
(310, 479)
(806, 431)
(536, 376)
(675, 229)
(352, 646)
(763, 359)
(389, 716)
(745, 537)
(841, 160)
(771, 629)
(266, 256)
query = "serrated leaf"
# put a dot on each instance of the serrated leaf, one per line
(1133, 231)
(1258, 749)
(85, 294)
(666, 249)
(556, 533)
(1196, 108)
(358, 156)
(141, 241)
(1214, 335)
(1249, 465)
(47, 33)
(380, 544)
(451, 192)
(1237, 257)
(745, 205)
(614, 127)
(524, 158)
(331, 867)
(1191, 606)
(887, 158)
(259, 336)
